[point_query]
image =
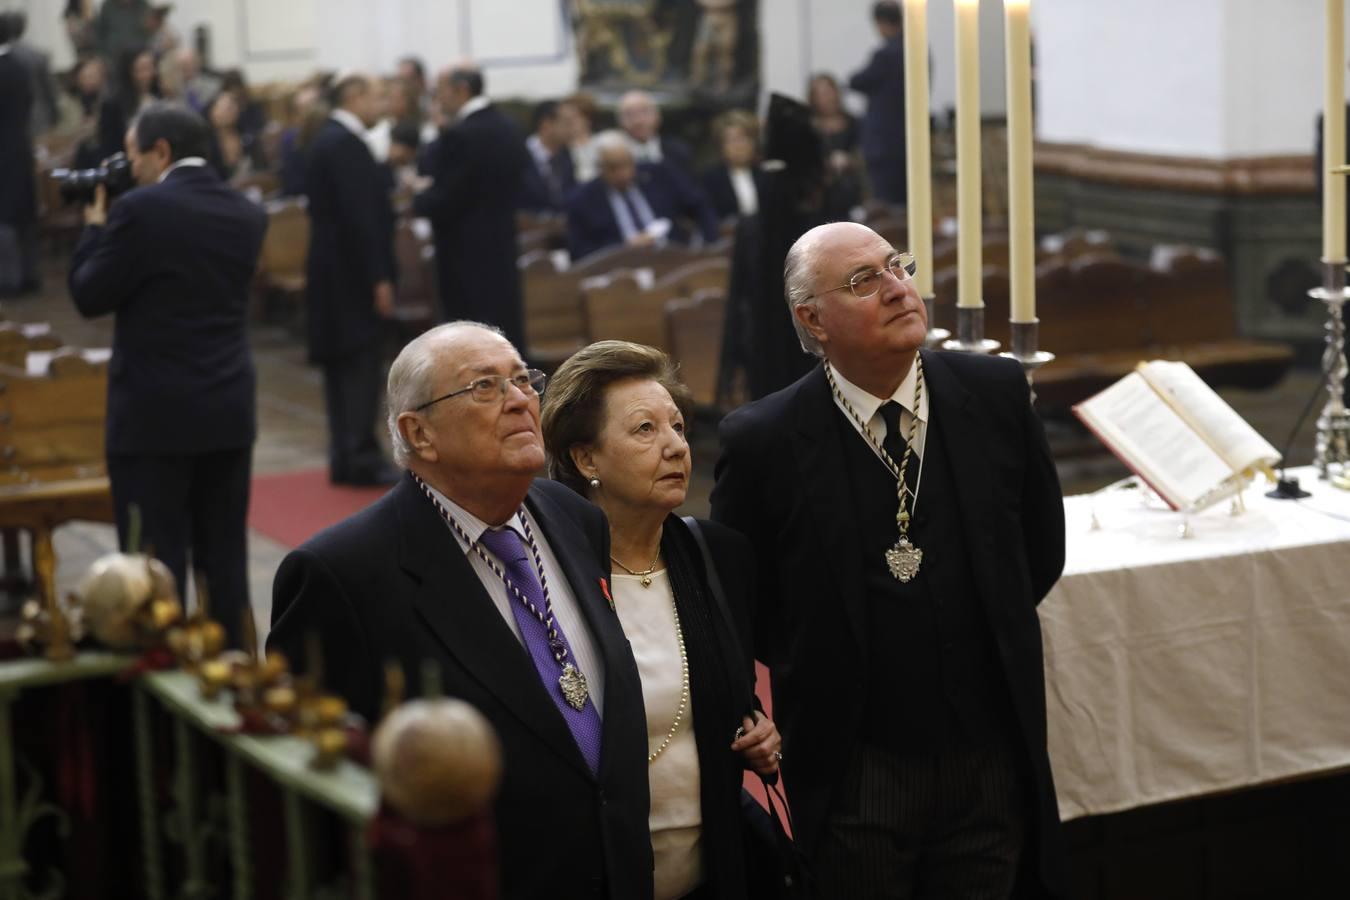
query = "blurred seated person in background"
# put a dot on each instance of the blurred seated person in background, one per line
(78, 102)
(838, 131)
(252, 115)
(640, 119)
(413, 73)
(614, 426)
(577, 116)
(306, 113)
(164, 38)
(550, 177)
(183, 77)
(733, 185)
(234, 152)
(639, 206)
(404, 182)
(137, 86)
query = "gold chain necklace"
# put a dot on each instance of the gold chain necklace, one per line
(645, 574)
(684, 685)
(904, 558)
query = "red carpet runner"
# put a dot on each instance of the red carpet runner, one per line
(292, 507)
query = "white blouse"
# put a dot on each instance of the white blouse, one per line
(648, 619)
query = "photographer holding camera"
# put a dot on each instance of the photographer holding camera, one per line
(172, 259)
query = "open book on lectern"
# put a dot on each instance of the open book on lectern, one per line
(1177, 434)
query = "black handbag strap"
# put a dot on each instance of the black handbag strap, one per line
(714, 580)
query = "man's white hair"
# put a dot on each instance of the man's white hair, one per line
(411, 379)
(611, 139)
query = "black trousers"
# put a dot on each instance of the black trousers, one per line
(351, 389)
(193, 507)
(948, 826)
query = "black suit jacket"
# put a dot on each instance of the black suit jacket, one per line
(18, 191)
(883, 81)
(781, 482)
(716, 183)
(174, 263)
(351, 243)
(591, 225)
(477, 165)
(391, 583)
(537, 195)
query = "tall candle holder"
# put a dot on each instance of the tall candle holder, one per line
(1332, 447)
(1026, 338)
(970, 332)
(936, 336)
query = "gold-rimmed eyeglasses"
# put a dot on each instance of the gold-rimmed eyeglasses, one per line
(866, 284)
(492, 388)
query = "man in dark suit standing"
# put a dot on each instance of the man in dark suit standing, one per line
(18, 191)
(476, 166)
(459, 565)
(634, 205)
(173, 260)
(907, 519)
(350, 278)
(883, 127)
(552, 176)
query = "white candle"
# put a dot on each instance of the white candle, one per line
(917, 150)
(1333, 135)
(1021, 215)
(968, 247)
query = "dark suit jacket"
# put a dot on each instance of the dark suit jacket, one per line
(536, 195)
(676, 154)
(716, 183)
(780, 481)
(883, 81)
(18, 192)
(175, 262)
(391, 583)
(591, 225)
(477, 164)
(351, 243)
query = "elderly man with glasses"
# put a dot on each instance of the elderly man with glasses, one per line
(499, 580)
(906, 519)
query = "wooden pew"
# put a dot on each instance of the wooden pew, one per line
(52, 452)
(415, 302)
(555, 321)
(695, 326)
(281, 264)
(625, 306)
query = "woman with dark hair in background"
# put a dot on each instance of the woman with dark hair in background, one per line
(235, 152)
(613, 422)
(136, 86)
(839, 135)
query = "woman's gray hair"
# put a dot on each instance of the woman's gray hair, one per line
(411, 377)
(799, 285)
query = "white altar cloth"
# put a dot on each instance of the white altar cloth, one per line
(1176, 668)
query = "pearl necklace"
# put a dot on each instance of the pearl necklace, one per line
(684, 686)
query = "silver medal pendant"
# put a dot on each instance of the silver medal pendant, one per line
(573, 685)
(903, 559)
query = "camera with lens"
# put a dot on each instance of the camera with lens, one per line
(77, 185)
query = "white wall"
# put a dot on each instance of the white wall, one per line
(1210, 78)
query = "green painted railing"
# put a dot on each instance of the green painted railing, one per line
(203, 839)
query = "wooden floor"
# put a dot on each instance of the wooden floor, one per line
(292, 430)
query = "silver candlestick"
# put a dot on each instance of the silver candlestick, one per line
(936, 336)
(1025, 337)
(1332, 449)
(970, 332)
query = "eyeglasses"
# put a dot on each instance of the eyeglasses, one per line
(866, 284)
(492, 388)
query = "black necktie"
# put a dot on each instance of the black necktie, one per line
(894, 443)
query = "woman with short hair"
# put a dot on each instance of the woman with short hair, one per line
(614, 426)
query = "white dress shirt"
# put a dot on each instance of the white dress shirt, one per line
(187, 162)
(743, 183)
(566, 611)
(349, 121)
(868, 409)
(473, 105)
(676, 820)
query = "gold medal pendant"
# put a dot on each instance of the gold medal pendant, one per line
(573, 685)
(903, 559)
